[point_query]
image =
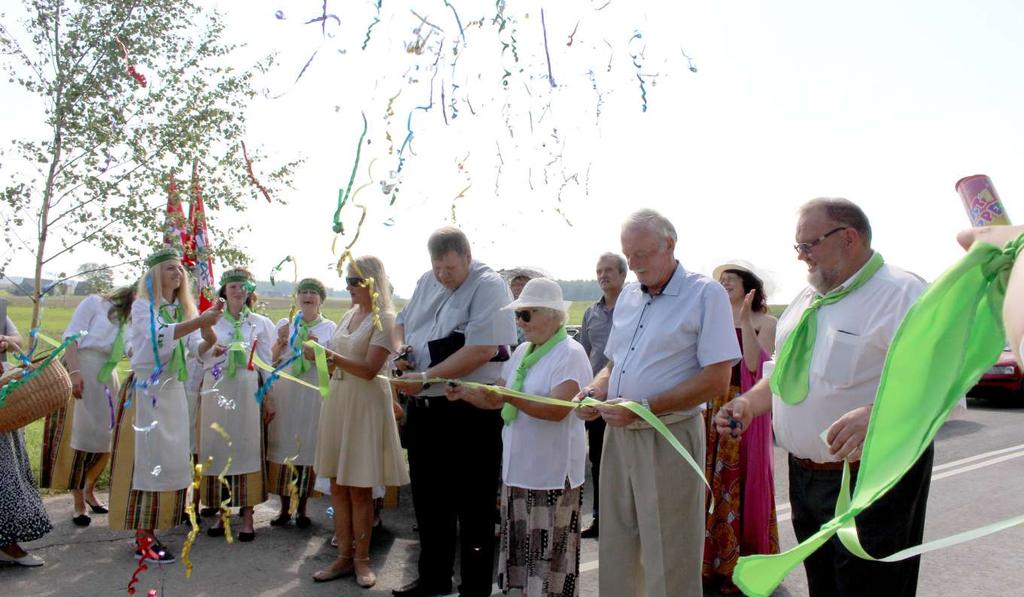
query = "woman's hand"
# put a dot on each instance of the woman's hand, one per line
(211, 316)
(77, 384)
(309, 353)
(587, 413)
(219, 350)
(397, 410)
(7, 343)
(746, 310)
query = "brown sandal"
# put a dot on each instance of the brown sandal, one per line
(335, 570)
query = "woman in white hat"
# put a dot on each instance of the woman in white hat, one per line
(228, 399)
(742, 481)
(293, 410)
(77, 437)
(544, 448)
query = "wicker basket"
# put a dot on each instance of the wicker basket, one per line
(38, 397)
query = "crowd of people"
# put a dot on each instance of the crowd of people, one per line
(726, 378)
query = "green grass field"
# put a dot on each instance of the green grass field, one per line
(57, 313)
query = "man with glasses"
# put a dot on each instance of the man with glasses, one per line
(831, 344)
(671, 349)
(453, 327)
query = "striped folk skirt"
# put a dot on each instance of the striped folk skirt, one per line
(132, 509)
(279, 478)
(246, 491)
(62, 466)
(540, 541)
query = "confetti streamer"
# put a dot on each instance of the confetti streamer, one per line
(225, 513)
(139, 78)
(302, 71)
(34, 371)
(689, 61)
(293, 483)
(458, 22)
(376, 19)
(638, 63)
(145, 546)
(551, 78)
(252, 177)
(343, 194)
(573, 34)
(600, 96)
(110, 403)
(190, 509)
(279, 15)
(322, 19)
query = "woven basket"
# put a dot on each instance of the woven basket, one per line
(38, 397)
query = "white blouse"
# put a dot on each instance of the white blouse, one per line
(140, 336)
(540, 454)
(92, 315)
(324, 331)
(254, 326)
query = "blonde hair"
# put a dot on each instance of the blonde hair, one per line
(369, 266)
(182, 295)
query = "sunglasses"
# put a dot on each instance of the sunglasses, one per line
(354, 281)
(524, 315)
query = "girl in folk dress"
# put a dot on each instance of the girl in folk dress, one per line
(77, 438)
(151, 467)
(358, 446)
(293, 410)
(228, 399)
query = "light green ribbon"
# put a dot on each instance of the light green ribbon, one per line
(301, 364)
(178, 356)
(237, 355)
(948, 339)
(116, 352)
(790, 379)
(534, 353)
(323, 375)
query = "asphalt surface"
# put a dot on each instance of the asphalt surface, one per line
(978, 479)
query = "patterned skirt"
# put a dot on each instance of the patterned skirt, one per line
(22, 516)
(540, 541)
(132, 508)
(246, 490)
(62, 466)
(279, 478)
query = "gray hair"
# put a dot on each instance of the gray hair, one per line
(842, 211)
(653, 221)
(619, 260)
(556, 314)
(447, 239)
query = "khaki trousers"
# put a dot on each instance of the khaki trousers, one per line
(652, 512)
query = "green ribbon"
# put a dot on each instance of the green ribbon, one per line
(533, 354)
(790, 379)
(301, 364)
(178, 356)
(116, 352)
(32, 372)
(323, 376)
(948, 339)
(237, 355)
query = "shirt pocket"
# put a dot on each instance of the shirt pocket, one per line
(843, 353)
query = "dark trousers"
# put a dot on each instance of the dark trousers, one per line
(454, 457)
(595, 443)
(893, 523)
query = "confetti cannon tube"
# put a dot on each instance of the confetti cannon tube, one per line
(981, 201)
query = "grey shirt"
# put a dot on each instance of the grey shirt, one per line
(597, 324)
(474, 309)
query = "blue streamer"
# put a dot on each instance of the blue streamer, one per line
(276, 373)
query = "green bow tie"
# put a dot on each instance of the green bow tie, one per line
(173, 313)
(533, 354)
(236, 348)
(301, 364)
(790, 379)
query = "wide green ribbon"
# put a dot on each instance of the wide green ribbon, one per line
(116, 352)
(301, 364)
(178, 356)
(323, 375)
(534, 353)
(237, 355)
(948, 339)
(790, 379)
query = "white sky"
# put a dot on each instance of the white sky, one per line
(886, 103)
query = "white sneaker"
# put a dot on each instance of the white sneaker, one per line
(28, 560)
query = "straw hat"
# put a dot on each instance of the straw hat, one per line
(540, 292)
(737, 264)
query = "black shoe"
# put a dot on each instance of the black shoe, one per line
(281, 520)
(98, 508)
(82, 520)
(590, 532)
(246, 537)
(209, 511)
(303, 522)
(416, 589)
(215, 532)
(162, 555)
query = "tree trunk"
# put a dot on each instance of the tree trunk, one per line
(44, 226)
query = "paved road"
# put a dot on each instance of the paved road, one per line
(978, 478)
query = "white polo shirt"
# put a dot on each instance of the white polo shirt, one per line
(92, 315)
(849, 351)
(659, 342)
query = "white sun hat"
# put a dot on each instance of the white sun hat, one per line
(745, 266)
(540, 292)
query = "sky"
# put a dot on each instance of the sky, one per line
(885, 103)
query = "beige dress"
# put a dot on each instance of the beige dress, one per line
(357, 443)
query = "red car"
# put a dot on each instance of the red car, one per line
(1005, 378)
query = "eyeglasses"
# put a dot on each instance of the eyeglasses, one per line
(806, 248)
(354, 281)
(524, 315)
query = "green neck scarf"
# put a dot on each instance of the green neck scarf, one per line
(172, 312)
(533, 354)
(957, 325)
(236, 348)
(790, 379)
(116, 352)
(301, 364)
